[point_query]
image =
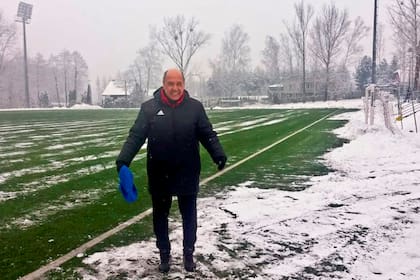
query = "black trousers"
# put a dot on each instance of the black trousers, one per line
(188, 208)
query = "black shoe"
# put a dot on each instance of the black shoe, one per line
(189, 263)
(164, 265)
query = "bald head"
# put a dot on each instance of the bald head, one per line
(173, 83)
(173, 72)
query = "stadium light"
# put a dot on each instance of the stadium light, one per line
(24, 15)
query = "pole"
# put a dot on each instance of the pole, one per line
(372, 102)
(25, 65)
(399, 105)
(414, 114)
(125, 92)
(374, 43)
(410, 75)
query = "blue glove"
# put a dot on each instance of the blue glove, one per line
(127, 187)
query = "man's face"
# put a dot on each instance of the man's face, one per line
(173, 84)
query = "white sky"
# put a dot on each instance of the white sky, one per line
(108, 33)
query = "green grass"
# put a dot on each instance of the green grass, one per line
(288, 165)
(57, 231)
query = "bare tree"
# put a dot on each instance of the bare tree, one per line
(270, 59)
(357, 32)
(40, 73)
(98, 87)
(65, 66)
(7, 42)
(151, 61)
(235, 49)
(232, 62)
(180, 40)
(80, 71)
(400, 51)
(327, 37)
(380, 42)
(134, 73)
(145, 70)
(55, 69)
(7, 39)
(404, 17)
(298, 33)
(286, 53)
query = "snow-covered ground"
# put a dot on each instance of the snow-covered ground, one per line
(360, 222)
(76, 106)
(348, 103)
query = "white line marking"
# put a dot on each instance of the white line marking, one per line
(56, 263)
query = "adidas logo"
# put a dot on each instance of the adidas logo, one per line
(160, 113)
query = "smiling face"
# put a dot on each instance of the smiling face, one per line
(173, 84)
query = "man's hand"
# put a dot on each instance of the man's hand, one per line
(127, 187)
(120, 164)
(221, 162)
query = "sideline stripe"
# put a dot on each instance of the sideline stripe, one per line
(56, 263)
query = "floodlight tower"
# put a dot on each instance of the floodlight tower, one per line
(24, 14)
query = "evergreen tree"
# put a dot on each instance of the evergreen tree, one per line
(72, 98)
(394, 66)
(383, 74)
(89, 95)
(363, 73)
(136, 97)
(44, 100)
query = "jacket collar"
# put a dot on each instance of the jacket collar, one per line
(161, 97)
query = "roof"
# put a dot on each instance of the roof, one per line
(115, 88)
(275, 86)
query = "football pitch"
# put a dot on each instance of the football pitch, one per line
(58, 181)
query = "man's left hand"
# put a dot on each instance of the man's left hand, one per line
(221, 162)
(127, 187)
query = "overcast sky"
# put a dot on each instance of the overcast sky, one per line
(109, 33)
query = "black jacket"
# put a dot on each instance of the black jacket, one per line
(173, 154)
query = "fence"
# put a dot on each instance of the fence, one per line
(373, 96)
(408, 109)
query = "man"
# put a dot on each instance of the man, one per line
(174, 125)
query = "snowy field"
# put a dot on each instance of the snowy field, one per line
(360, 222)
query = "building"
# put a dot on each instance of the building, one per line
(115, 89)
(290, 88)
